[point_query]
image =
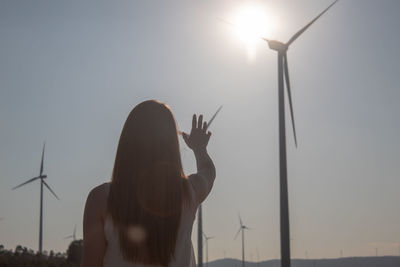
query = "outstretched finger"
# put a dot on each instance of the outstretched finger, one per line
(204, 126)
(185, 137)
(200, 122)
(194, 122)
(208, 135)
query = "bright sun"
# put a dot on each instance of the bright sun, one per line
(252, 23)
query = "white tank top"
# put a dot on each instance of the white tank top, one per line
(184, 254)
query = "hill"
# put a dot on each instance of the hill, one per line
(387, 261)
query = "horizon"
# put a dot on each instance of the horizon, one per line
(47, 252)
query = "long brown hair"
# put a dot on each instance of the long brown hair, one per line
(148, 187)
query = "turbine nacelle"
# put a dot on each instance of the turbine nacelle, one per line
(277, 46)
(43, 176)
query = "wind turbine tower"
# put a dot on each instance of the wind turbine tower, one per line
(200, 213)
(206, 238)
(42, 182)
(200, 237)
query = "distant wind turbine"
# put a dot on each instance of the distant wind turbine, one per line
(73, 236)
(200, 213)
(213, 117)
(206, 238)
(241, 229)
(283, 70)
(42, 182)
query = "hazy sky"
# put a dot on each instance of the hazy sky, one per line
(70, 72)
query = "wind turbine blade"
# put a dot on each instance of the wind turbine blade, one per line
(240, 220)
(238, 27)
(286, 74)
(74, 231)
(237, 233)
(68, 237)
(294, 37)
(41, 164)
(228, 22)
(48, 187)
(30, 180)
(213, 117)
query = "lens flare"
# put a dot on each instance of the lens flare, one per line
(136, 233)
(252, 23)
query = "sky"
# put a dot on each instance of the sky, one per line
(71, 71)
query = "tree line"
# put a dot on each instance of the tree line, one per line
(25, 257)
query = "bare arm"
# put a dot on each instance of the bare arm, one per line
(94, 242)
(203, 180)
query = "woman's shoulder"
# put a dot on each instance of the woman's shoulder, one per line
(100, 191)
(98, 197)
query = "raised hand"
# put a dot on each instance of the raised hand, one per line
(198, 138)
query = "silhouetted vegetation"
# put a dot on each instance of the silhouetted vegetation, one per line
(24, 257)
(74, 252)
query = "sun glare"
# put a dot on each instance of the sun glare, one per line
(252, 23)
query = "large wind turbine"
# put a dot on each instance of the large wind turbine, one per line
(42, 182)
(200, 213)
(283, 70)
(206, 238)
(241, 229)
